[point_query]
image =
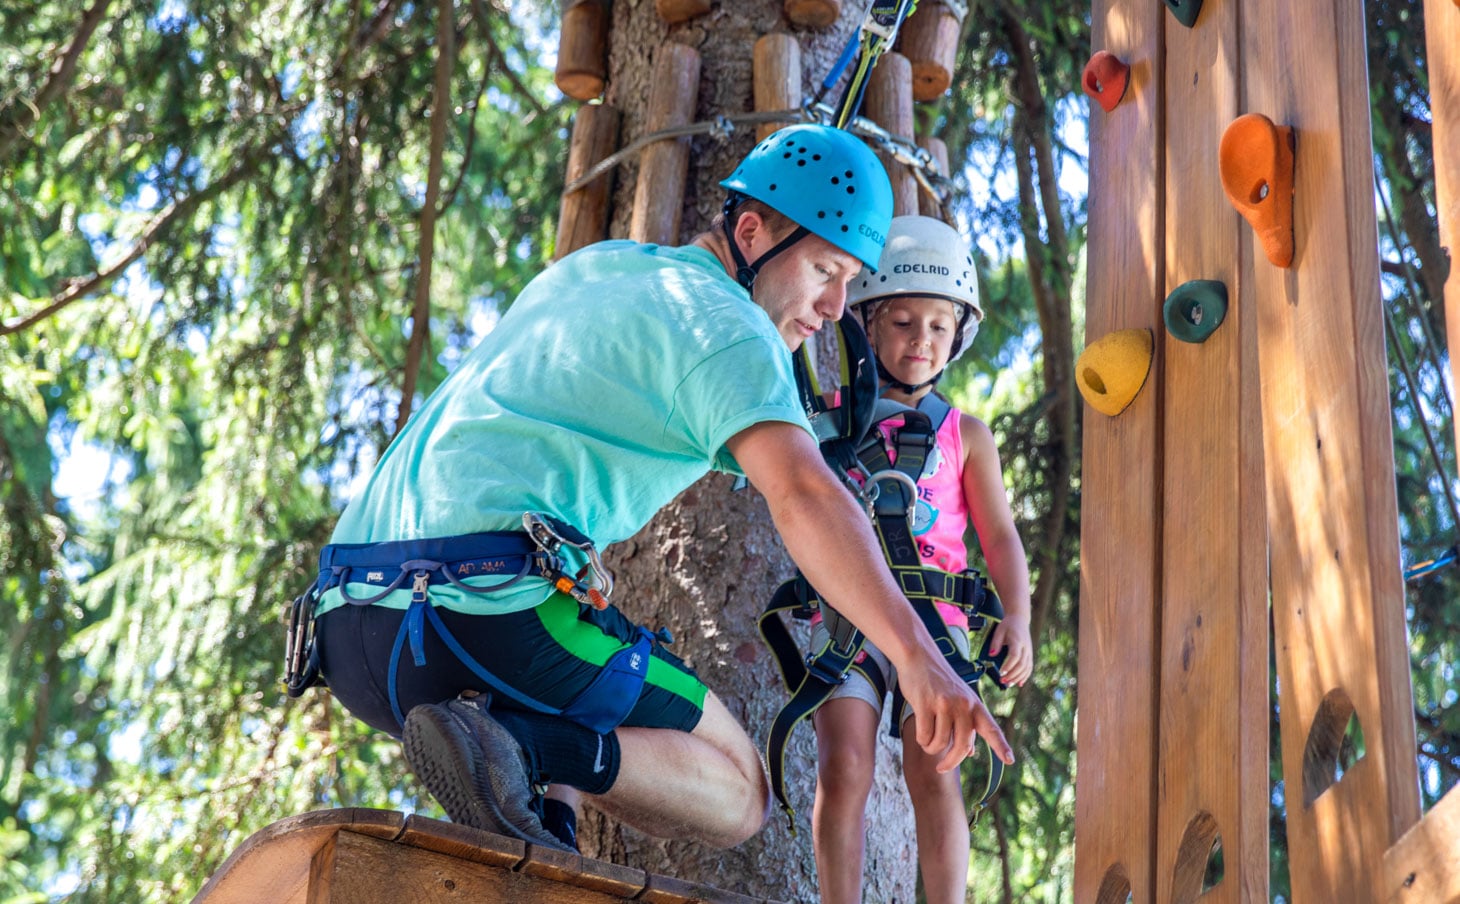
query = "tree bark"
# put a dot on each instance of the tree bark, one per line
(706, 566)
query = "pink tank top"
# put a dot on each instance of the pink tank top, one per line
(942, 513)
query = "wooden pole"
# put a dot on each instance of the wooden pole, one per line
(776, 78)
(1337, 589)
(677, 11)
(583, 217)
(1215, 681)
(1442, 38)
(929, 39)
(659, 193)
(583, 49)
(813, 13)
(1120, 523)
(928, 205)
(889, 103)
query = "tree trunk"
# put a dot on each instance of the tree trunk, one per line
(706, 566)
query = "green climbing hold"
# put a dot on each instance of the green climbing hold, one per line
(1195, 309)
(1185, 11)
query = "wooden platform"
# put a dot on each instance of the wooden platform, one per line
(366, 856)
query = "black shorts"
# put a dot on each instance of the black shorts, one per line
(549, 653)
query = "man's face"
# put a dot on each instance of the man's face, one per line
(804, 286)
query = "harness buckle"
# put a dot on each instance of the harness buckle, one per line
(550, 535)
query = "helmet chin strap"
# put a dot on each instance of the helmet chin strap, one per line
(897, 384)
(745, 274)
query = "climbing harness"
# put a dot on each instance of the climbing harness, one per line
(512, 555)
(888, 489)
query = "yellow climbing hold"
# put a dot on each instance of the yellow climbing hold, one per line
(1113, 368)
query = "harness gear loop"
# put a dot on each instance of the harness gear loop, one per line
(551, 535)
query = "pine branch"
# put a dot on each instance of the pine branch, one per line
(14, 122)
(77, 288)
(479, 6)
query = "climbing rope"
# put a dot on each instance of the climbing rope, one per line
(917, 159)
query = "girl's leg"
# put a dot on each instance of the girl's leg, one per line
(942, 824)
(846, 749)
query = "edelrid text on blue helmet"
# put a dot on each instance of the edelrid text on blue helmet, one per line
(826, 180)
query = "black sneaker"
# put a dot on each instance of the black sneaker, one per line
(476, 770)
(561, 820)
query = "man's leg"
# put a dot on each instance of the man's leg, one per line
(707, 784)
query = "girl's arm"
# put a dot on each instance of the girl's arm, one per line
(1003, 551)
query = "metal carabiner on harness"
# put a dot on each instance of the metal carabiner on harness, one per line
(550, 535)
(872, 491)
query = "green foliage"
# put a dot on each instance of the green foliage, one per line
(237, 187)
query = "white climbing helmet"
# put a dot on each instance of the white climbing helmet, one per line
(923, 256)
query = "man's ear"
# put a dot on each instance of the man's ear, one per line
(747, 227)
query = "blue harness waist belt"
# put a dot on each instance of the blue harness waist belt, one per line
(508, 555)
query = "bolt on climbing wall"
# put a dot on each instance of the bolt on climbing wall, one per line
(1231, 216)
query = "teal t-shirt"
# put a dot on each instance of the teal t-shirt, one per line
(610, 385)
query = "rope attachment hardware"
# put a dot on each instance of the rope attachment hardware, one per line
(551, 535)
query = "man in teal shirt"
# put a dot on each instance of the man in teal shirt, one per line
(460, 606)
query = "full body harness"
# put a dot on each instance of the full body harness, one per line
(851, 444)
(536, 551)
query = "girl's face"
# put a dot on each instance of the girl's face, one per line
(913, 336)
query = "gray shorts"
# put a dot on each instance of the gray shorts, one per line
(857, 687)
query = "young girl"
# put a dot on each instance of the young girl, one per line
(921, 311)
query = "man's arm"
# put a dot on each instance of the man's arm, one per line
(831, 540)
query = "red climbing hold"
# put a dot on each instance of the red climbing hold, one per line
(1106, 79)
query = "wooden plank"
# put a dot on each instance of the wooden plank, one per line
(1423, 867)
(1442, 39)
(369, 870)
(1213, 736)
(274, 863)
(1120, 521)
(1338, 604)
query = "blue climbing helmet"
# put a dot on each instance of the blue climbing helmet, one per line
(826, 181)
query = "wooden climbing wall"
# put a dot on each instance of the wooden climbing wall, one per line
(1270, 440)
(1120, 531)
(1213, 733)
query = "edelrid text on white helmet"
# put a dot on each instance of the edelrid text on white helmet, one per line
(923, 256)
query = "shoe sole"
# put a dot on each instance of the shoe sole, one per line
(450, 768)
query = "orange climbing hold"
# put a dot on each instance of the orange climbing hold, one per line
(1106, 78)
(1257, 174)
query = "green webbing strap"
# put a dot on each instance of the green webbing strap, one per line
(879, 32)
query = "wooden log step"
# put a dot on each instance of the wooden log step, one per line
(363, 856)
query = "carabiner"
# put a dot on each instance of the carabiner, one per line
(549, 535)
(898, 477)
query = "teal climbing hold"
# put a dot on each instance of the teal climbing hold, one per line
(1195, 309)
(1185, 11)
